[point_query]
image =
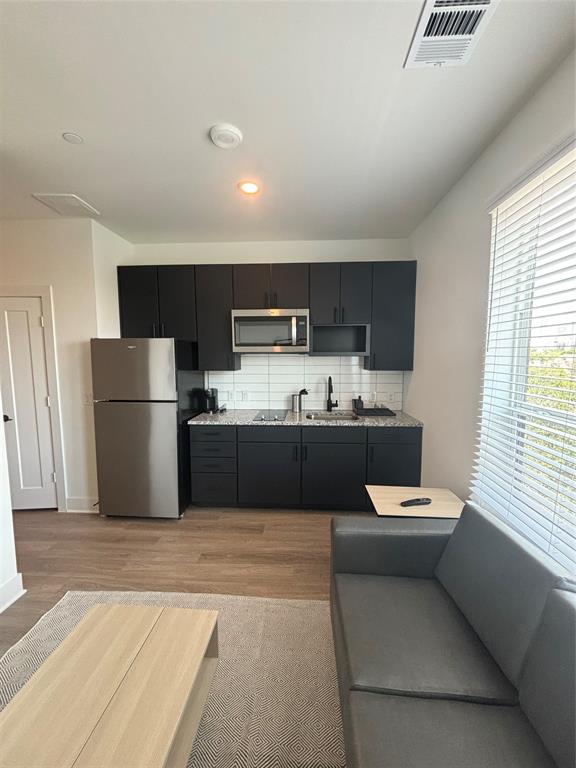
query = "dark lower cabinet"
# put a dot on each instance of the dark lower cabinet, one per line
(393, 464)
(394, 456)
(209, 488)
(269, 474)
(333, 475)
(214, 302)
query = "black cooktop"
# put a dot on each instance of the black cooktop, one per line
(270, 415)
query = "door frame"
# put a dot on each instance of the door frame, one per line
(44, 293)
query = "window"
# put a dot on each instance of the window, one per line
(525, 468)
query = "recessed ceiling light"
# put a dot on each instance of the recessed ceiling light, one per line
(226, 136)
(249, 188)
(72, 138)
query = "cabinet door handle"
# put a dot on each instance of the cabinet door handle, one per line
(211, 450)
(371, 455)
(153, 330)
(295, 453)
(305, 453)
(266, 302)
(335, 314)
(342, 315)
(275, 299)
(161, 329)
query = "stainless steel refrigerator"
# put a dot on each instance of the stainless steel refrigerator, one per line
(141, 405)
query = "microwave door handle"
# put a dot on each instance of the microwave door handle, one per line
(294, 336)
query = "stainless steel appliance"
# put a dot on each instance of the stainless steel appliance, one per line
(270, 330)
(142, 403)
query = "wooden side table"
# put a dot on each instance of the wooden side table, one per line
(386, 500)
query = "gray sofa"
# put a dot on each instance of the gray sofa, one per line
(455, 645)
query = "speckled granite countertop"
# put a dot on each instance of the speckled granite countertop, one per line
(245, 417)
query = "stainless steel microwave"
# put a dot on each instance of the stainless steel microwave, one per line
(271, 330)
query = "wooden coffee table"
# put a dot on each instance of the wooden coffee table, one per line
(125, 689)
(386, 500)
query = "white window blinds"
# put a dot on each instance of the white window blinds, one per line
(525, 469)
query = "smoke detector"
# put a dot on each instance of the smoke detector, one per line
(448, 31)
(66, 204)
(226, 136)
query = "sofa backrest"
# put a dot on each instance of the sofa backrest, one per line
(548, 681)
(500, 582)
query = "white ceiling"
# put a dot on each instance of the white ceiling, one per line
(346, 142)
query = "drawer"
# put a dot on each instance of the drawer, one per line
(405, 435)
(220, 450)
(199, 464)
(211, 488)
(269, 434)
(334, 434)
(208, 433)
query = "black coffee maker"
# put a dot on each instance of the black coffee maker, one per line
(209, 400)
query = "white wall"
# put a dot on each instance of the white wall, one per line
(452, 246)
(10, 579)
(288, 250)
(268, 381)
(108, 250)
(58, 253)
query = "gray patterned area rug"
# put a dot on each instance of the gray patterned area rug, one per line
(274, 698)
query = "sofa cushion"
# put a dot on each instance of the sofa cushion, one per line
(548, 681)
(407, 636)
(500, 583)
(407, 732)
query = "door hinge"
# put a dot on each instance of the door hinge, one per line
(41, 318)
(48, 404)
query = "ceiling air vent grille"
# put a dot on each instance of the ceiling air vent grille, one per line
(66, 204)
(447, 32)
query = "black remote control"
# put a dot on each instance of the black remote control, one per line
(416, 502)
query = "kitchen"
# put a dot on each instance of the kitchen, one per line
(280, 380)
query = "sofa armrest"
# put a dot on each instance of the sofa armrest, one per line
(389, 546)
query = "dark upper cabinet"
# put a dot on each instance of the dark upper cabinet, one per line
(177, 301)
(324, 293)
(157, 301)
(269, 474)
(393, 309)
(214, 301)
(261, 286)
(333, 475)
(252, 286)
(289, 286)
(138, 297)
(355, 292)
(340, 293)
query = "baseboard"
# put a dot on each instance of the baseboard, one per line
(10, 591)
(80, 504)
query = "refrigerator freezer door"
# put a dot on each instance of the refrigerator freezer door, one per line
(137, 459)
(133, 369)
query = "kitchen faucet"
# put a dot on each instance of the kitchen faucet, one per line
(329, 403)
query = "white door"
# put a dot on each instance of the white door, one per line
(26, 403)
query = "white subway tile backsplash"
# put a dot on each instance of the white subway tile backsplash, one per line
(268, 381)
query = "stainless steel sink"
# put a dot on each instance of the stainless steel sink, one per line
(332, 416)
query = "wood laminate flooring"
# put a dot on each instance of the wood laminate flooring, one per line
(265, 553)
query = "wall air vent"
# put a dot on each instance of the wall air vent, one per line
(447, 32)
(66, 204)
